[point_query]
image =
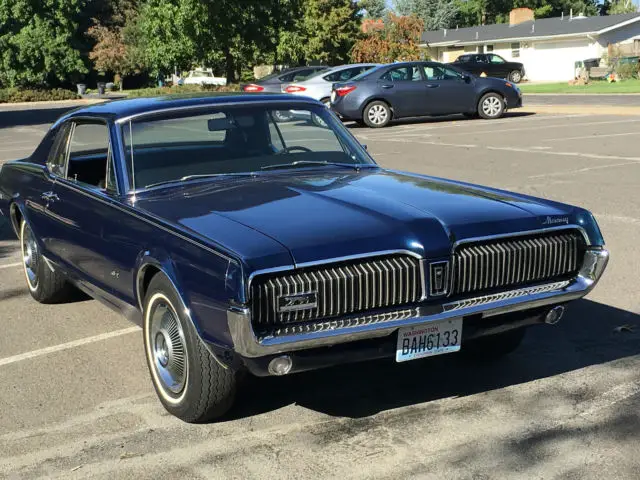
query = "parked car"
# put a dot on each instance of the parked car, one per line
(415, 89)
(241, 244)
(203, 77)
(273, 83)
(318, 86)
(491, 65)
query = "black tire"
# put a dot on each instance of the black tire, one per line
(45, 285)
(515, 76)
(491, 106)
(494, 347)
(377, 114)
(203, 389)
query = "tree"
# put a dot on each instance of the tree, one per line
(374, 8)
(436, 14)
(38, 43)
(615, 7)
(399, 41)
(115, 35)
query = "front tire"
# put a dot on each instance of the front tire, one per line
(190, 383)
(491, 106)
(45, 285)
(377, 114)
(515, 76)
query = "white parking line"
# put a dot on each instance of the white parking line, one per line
(66, 346)
(582, 170)
(591, 136)
(11, 265)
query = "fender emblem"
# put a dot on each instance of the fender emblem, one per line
(297, 301)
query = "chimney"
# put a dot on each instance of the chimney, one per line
(520, 15)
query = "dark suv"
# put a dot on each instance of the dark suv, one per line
(491, 65)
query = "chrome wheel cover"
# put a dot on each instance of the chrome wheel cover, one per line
(166, 345)
(30, 257)
(516, 77)
(377, 114)
(492, 106)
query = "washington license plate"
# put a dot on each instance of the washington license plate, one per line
(428, 340)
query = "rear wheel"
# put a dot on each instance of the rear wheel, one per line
(189, 381)
(377, 114)
(515, 76)
(491, 106)
(46, 285)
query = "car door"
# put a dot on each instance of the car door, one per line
(450, 91)
(404, 88)
(84, 207)
(499, 66)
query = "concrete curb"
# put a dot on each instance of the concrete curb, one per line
(62, 103)
(582, 109)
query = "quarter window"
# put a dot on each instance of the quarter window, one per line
(403, 74)
(57, 160)
(90, 156)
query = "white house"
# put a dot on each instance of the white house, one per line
(548, 47)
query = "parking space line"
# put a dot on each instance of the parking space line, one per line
(582, 170)
(11, 265)
(591, 136)
(567, 154)
(66, 346)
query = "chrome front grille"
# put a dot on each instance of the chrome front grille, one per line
(516, 261)
(336, 289)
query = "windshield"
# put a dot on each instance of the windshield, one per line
(236, 140)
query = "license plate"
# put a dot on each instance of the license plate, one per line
(428, 340)
(333, 96)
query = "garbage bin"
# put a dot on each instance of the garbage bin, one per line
(101, 88)
(591, 63)
(82, 88)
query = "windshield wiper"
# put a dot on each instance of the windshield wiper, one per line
(354, 166)
(201, 175)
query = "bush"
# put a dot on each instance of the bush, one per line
(160, 91)
(15, 95)
(628, 70)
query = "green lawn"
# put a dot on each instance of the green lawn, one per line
(625, 86)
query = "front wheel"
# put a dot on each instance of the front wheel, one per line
(189, 381)
(491, 106)
(377, 114)
(515, 76)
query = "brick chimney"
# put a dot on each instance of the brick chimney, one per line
(520, 15)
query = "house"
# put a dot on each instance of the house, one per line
(548, 47)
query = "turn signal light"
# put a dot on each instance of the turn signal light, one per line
(509, 84)
(294, 89)
(342, 91)
(253, 88)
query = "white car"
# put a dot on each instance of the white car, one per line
(319, 86)
(204, 77)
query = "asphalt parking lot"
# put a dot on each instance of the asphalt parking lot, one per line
(77, 402)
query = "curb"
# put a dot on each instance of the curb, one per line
(582, 109)
(62, 103)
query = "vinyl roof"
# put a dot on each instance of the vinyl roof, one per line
(544, 27)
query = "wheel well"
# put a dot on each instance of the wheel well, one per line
(16, 218)
(488, 91)
(144, 280)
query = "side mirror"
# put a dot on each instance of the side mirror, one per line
(364, 145)
(467, 78)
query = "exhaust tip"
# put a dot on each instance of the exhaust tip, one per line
(554, 315)
(280, 365)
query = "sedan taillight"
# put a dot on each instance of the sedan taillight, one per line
(253, 88)
(294, 89)
(342, 91)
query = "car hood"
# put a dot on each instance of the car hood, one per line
(324, 213)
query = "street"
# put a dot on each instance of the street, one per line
(77, 400)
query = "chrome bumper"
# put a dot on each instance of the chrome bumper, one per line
(343, 330)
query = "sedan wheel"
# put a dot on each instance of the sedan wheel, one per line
(377, 114)
(491, 106)
(515, 76)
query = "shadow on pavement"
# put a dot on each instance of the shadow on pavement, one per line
(585, 337)
(17, 118)
(444, 118)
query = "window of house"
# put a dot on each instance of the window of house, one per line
(515, 49)
(400, 74)
(489, 48)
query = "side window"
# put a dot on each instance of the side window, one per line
(57, 160)
(90, 155)
(333, 77)
(480, 59)
(496, 59)
(288, 77)
(440, 72)
(302, 74)
(403, 74)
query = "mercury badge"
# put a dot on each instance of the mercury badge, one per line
(556, 221)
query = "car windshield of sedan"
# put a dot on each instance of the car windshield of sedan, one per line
(236, 140)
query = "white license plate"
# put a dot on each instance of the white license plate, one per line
(429, 339)
(333, 96)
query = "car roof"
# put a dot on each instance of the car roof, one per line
(118, 109)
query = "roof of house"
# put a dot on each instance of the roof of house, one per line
(542, 28)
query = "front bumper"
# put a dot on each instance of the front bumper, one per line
(367, 326)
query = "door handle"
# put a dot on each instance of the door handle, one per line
(49, 197)
(387, 86)
(432, 85)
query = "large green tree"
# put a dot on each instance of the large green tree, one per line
(436, 14)
(374, 8)
(615, 7)
(39, 44)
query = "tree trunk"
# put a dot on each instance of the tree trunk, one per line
(229, 66)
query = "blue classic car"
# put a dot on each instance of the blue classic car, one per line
(244, 243)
